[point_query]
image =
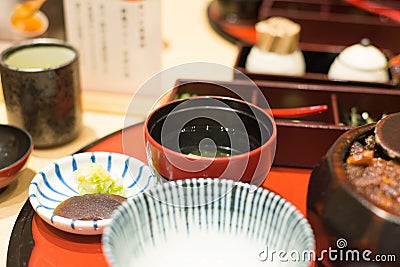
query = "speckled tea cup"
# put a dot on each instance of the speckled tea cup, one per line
(41, 87)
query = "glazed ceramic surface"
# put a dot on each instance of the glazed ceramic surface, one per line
(206, 222)
(55, 183)
(259, 61)
(345, 214)
(360, 62)
(15, 148)
(41, 87)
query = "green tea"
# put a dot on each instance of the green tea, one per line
(40, 57)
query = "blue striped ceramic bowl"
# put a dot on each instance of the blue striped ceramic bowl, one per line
(208, 222)
(55, 184)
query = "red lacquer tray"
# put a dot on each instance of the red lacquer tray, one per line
(351, 19)
(34, 243)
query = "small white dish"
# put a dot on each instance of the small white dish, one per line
(31, 34)
(55, 183)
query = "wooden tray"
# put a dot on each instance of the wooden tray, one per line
(336, 22)
(328, 22)
(309, 136)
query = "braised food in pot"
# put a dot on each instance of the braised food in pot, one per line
(373, 175)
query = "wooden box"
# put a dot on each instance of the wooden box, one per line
(301, 142)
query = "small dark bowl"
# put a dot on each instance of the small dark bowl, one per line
(338, 212)
(15, 148)
(239, 137)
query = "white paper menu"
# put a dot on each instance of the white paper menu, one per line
(119, 42)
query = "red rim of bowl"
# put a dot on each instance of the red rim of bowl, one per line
(27, 152)
(217, 159)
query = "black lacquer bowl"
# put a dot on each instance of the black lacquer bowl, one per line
(16, 146)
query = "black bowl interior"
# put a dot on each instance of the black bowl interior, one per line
(210, 127)
(14, 144)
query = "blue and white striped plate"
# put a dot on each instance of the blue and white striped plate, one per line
(55, 183)
(208, 222)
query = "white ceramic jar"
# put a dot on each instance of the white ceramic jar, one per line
(276, 51)
(360, 62)
(259, 61)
